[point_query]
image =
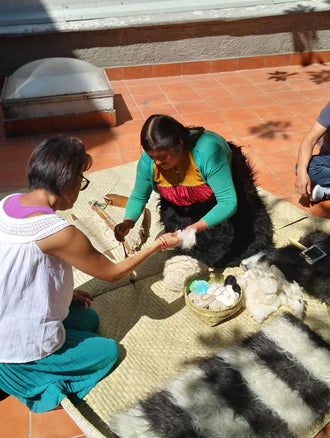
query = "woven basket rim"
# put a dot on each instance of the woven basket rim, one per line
(210, 316)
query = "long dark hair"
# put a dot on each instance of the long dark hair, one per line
(163, 132)
(55, 163)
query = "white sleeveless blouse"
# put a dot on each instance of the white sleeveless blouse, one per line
(35, 289)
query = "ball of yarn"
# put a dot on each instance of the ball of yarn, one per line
(178, 268)
(199, 287)
(217, 296)
(201, 300)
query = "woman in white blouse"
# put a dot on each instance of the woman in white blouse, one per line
(49, 348)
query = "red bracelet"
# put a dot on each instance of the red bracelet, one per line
(163, 245)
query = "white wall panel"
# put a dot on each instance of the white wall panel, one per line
(18, 12)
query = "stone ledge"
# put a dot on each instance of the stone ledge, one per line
(165, 18)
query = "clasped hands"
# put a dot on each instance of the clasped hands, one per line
(121, 230)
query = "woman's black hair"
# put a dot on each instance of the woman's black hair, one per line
(56, 162)
(163, 132)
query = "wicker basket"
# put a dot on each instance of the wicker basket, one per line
(212, 317)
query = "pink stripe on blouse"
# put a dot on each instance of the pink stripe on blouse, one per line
(14, 209)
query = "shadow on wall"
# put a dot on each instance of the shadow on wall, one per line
(304, 39)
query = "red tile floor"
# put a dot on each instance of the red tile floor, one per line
(267, 111)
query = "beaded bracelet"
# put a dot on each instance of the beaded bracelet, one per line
(163, 245)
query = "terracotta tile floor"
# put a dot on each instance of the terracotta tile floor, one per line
(267, 111)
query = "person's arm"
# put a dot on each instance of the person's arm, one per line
(216, 171)
(303, 182)
(72, 246)
(142, 189)
(138, 199)
(200, 225)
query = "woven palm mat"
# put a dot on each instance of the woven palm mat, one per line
(267, 386)
(158, 336)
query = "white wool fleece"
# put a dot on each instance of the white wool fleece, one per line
(188, 238)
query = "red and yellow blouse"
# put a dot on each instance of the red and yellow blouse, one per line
(183, 184)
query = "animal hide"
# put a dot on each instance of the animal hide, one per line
(247, 232)
(315, 279)
(274, 384)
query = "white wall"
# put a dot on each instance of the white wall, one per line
(19, 12)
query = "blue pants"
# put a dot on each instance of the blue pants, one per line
(319, 170)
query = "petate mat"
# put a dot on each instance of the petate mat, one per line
(157, 334)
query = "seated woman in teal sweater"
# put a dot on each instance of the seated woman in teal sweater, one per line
(192, 170)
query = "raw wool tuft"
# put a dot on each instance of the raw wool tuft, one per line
(188, 238)
(179, 268)
(266, 289)
(226, 298)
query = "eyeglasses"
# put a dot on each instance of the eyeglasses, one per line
(84, 183)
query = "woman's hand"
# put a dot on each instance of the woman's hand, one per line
(121, 230)
(169, 240)
(82, 298)
(303, 184)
